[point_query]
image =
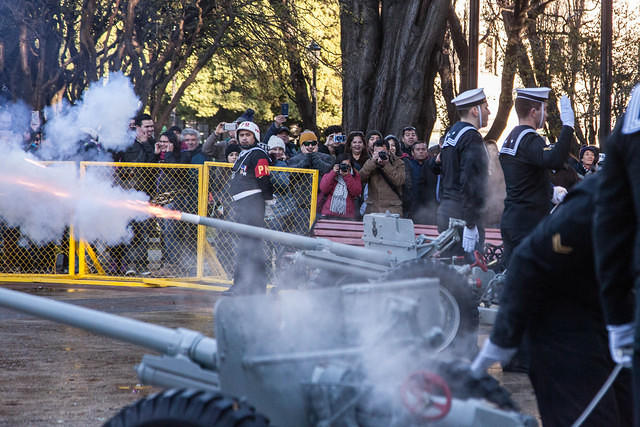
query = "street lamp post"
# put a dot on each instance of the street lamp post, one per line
(474, 28)
(606, 36)
(314, 49)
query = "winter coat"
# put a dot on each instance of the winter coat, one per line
(420, 201)
(582, 171)
(285, 202)
(381, 196)
(354, 188)
(138, 152)
(214, 148)
(193, 157)
(320, 161)
(141, 179)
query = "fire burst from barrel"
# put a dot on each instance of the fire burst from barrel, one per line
(130, 205)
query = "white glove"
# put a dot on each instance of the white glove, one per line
(268, 208)
(470, 237)
(621, 343)
(489, 355)
(566, 112)
(558, 194)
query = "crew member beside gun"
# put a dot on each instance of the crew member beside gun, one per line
(252, 193)
(526, 163)
(464, 169)
(552, 294)
(617, 243)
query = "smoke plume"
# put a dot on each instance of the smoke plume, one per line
(43, 199)
(103, 112)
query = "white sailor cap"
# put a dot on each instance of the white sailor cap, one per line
(469, 98)
(539, 94)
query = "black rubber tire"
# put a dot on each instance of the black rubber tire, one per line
(464, 386)
(465, 342)
(188, 408)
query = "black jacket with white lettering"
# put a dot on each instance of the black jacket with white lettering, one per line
(251, 172)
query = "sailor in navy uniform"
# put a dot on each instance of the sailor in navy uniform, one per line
(551, 299)
(252, 192)
(617, 241)
(526, 163)
(464, 168)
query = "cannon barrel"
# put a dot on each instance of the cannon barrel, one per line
(288, 239)
(197, 347)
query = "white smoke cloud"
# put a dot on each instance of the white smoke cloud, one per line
(104, 111)
(43, 201)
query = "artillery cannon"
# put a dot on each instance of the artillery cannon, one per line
(391, 251)
(371, 352)
(350, 355)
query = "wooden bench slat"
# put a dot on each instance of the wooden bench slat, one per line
(325, 233)
(350, 232)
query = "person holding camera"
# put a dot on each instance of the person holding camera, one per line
(342, 187)
(276, 128)
(385, 174)
(216, 143)
(334, 141)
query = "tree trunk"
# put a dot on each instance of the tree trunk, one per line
(514, 23)
(459, 39)
(446, 83)
(396, 63)
(542, 74)
(298, 79)
(360, 41)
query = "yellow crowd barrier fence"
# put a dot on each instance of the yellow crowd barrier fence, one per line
(161, 251)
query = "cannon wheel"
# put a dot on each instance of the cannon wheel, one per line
(459, 305)
(188, 408)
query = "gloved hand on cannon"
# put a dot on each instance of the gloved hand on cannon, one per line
(470, 238)
(621, 343)
(489, 355)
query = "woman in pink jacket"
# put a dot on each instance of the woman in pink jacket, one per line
(341, 186)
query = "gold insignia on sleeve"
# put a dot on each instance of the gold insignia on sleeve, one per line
(558, 247)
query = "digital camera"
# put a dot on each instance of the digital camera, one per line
(344, 167)
(382, 155)
(340, 139)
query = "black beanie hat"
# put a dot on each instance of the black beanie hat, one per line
(231, 148)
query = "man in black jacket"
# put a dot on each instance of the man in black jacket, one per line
(464, 168)
(526, 163)
(251, 191)
(133, 257)
(551, 300)
(142, 149)
(617, 241)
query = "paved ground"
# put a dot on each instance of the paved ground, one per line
(59, 375)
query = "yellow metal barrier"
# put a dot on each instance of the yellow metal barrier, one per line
(161, 249)
(295, 192)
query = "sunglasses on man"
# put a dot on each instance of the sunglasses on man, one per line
(310, 143)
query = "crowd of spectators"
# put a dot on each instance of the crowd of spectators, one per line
(360, 171)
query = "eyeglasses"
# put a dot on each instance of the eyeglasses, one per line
(310, 143)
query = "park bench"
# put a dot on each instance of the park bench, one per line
(350, 233)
